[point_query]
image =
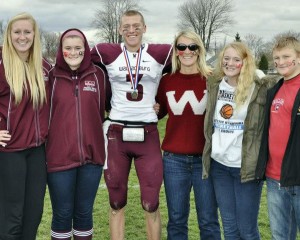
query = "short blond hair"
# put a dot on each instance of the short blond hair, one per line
(287, 42)
(129, 13)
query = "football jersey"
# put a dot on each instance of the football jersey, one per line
(154, 60)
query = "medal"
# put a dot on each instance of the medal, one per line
(133, 76)
(134, 94)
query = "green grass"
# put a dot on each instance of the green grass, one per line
(135, 227)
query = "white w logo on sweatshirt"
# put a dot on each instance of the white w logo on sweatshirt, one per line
(188, 97)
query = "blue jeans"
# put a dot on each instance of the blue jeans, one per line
(181, 174)
(284, 210)
(238, 202)
(72, 194)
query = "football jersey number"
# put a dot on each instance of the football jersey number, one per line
(139, 89)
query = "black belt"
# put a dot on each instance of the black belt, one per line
(132, 122)
(193, 155)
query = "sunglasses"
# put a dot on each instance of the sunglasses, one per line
(191, 47)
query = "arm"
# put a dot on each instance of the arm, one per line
(96, 58)
(108, 94)
(168, 64)
(4, 134)
(161, 101)
(4, 137)
(156, 107)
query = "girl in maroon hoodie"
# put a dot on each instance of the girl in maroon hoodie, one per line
(24, 118)
(75, 145)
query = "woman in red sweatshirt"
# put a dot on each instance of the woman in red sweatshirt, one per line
(24, 116)
(75, 146)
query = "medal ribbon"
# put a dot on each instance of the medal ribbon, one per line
(133, 80)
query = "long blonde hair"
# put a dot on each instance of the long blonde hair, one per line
(247, 74)
(202, 67)
(18, 72)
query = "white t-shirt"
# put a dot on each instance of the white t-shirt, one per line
(228, 127)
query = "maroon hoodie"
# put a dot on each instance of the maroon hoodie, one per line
(28, 126)
(76, 115)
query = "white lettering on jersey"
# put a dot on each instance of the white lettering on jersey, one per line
(188, 97)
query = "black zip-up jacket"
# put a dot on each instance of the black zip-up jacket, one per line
(290, 169)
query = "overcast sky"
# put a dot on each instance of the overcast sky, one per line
(264, 18)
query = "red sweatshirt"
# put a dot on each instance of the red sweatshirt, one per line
(183, 98)
(28, 127)
(76, 116)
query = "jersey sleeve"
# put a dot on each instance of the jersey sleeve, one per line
(161, 99)
(104, 54)
(162, 53)
(96, 55)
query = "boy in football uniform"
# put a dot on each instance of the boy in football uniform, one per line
(134, 70)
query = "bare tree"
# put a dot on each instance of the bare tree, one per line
(206, 17)
(2, 30)
(256, 44)
(107, 19)
(285, 34)
(50, 44)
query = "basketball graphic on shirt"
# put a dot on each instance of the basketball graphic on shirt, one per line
(226, 111)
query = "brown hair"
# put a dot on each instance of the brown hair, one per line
(289, 42)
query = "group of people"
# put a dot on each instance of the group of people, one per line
(227, 130)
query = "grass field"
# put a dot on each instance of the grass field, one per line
(135, 227)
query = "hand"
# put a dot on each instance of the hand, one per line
(4, 137)
(156, 108)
